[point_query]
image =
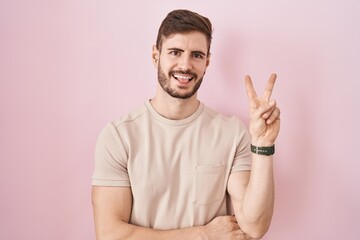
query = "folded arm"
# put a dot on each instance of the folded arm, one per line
(112, 210)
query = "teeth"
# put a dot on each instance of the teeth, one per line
(182, 77)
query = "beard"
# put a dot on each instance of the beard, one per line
(165, 84)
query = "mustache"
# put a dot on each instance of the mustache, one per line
(172, 72)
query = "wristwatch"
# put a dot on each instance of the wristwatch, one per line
(267, 151)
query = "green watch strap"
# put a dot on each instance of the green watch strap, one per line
(268, 151)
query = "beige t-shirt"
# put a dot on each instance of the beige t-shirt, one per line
(177, 169)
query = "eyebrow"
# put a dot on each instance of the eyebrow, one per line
(181, 50)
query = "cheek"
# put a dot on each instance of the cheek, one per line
(166, 67)
(202, 69)
(163, 68)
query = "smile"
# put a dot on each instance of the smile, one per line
(183, 78)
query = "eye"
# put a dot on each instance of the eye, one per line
(198, 56)
(174, 53)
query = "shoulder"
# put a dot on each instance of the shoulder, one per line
(230, 122)
(123, 123)
(132, 117)
(219, 116)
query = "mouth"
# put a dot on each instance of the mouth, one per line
(183, 78)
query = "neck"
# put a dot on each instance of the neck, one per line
(174, 108)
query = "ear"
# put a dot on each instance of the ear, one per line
(208, 59)
(155, 56)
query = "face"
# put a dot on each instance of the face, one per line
(182, 63)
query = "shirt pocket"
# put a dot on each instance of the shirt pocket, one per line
(209, 184)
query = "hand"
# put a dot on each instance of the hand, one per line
(224, 228)
(264, 114)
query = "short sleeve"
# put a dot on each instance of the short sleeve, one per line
(242, 158)
(110, 159)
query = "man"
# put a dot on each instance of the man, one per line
(164, 170)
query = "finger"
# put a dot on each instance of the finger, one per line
(235, 227)
(270, 108)
(240, 234)
(233, 218)
(274, 116)
(269, 87)
(239, 231)
(265, 108)
(250, 88)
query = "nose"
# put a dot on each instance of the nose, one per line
(185, 62)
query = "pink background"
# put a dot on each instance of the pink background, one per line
(69, 67)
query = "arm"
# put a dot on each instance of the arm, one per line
(252, 194)
(252, 197)
(112, 210)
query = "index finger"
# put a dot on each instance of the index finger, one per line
(250, 88)
(269, 86)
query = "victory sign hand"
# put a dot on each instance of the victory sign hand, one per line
(264, 114)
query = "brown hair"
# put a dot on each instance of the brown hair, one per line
(184, 21)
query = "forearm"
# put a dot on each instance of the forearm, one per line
(122, 230)
(256, 211)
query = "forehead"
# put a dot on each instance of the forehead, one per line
(187, 41)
